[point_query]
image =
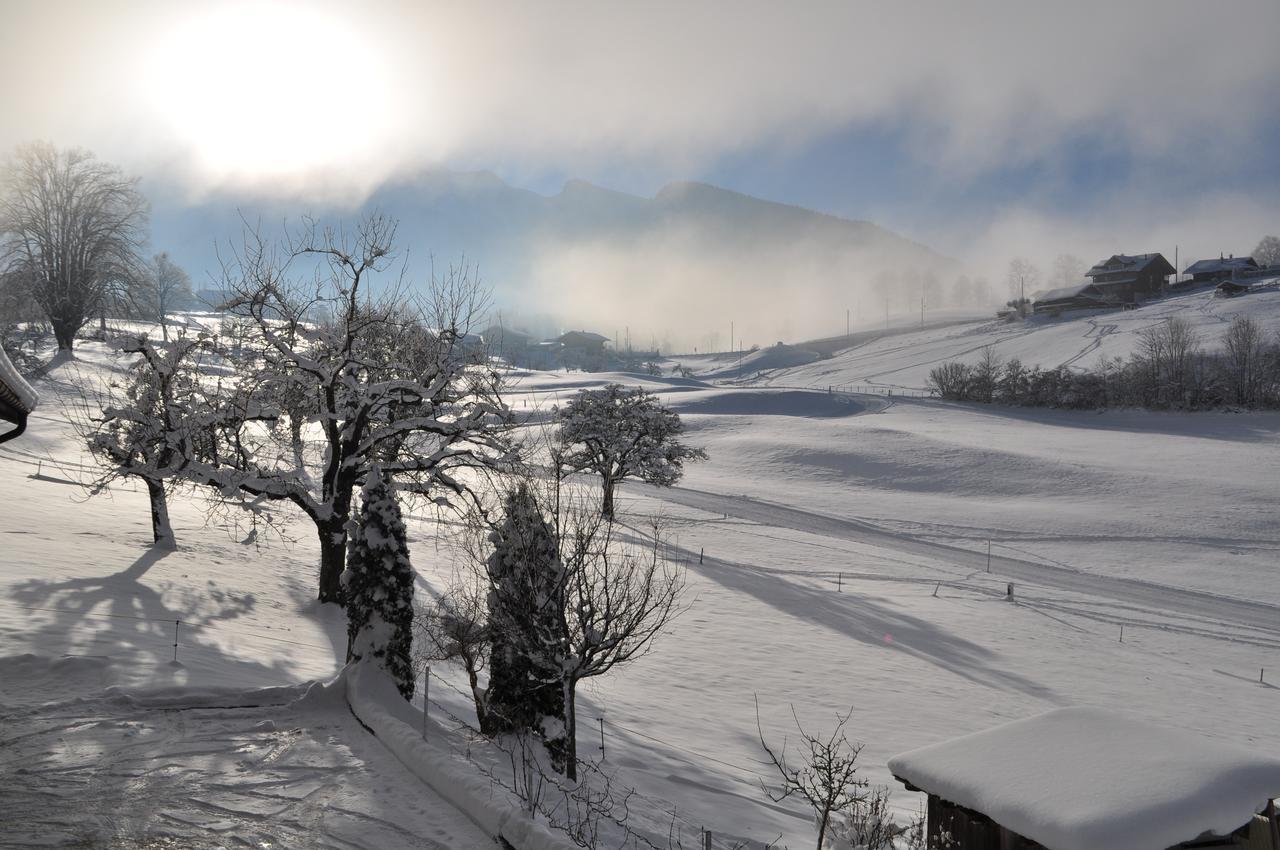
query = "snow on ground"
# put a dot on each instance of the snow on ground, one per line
(203, 769)
(836, 550)
(903, 360)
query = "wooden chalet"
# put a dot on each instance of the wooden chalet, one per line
(1084, 296)
(1129, 278)
(17, 399)
(1087, 779)
(1223, 268)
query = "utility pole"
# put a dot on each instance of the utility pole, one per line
(731, 348)
(846, 321)
(1022, 298)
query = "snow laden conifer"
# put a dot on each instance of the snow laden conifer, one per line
(527, 627)
(378, 584)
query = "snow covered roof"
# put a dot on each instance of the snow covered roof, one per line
(1220, 265)
(1076, 291)
(1088, 779)
(14, 391)
(1126, 263)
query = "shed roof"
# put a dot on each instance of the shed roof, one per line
(581, 336)
(16, 395)
(1079, 290)
(1088, 779)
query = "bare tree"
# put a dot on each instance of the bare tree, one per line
(827, 776)
(380, 378)
(1245, 350)
(146, 428)
(455, 627)
(72, 229)
(1068, 270)
(163, 287)
(619, 433)
(1023, 277)
(619, 597)
(1268, 251)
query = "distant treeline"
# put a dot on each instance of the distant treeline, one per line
(1170, 370)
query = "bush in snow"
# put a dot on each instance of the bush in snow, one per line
(378, 585)
(527, 627)
(849, 812)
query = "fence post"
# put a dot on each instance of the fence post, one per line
(176, 623)
(839, 582)
(988, 556)
(601, 719)
(1009, 591)
(702, 551)
(1122, 632)
(706, 839)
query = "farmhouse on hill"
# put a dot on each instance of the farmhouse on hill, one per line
(17, 399)
(1129, 278)
(1088, 779)
(1223, 268)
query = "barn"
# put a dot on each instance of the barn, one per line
(1085, 296)
(17, 399)
(1131, 277)
(1087, 779)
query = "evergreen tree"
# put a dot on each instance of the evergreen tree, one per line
(527, 623)
(378, 584)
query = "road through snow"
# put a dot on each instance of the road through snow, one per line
(1159, 597)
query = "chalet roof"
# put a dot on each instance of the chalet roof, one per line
(1220, 265)
(1078, 291)
(581, 336)
(1088, 779)
(16, 396)
(1133, 263)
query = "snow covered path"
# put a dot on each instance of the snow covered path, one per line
(116, 772)
(1148, 595)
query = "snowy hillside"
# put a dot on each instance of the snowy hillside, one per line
(903, 360)
(837, 556)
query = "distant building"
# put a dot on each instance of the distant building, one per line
(1130, 278)
(1087, 779)
(1231, 288)
(1084, 296)
(17, 399)
(509, 344)
(1223, 268)
(582, 350)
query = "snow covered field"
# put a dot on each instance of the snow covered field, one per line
(837, 557)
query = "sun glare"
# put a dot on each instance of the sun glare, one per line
(261, 91)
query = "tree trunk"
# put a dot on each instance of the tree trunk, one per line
(161, 530)
(571, 729)
(333, 559)
(64, 332)
(606, 507)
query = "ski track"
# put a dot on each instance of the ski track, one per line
(1148, 595)
(109, 774)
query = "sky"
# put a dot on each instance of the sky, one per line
(983, 129)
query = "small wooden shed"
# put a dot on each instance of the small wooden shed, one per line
(17, 399)
(1087, 779)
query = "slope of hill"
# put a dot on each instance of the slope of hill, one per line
(1082, 339)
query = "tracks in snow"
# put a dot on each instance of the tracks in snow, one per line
(1148, 595)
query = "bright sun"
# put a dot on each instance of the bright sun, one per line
(270, 90)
